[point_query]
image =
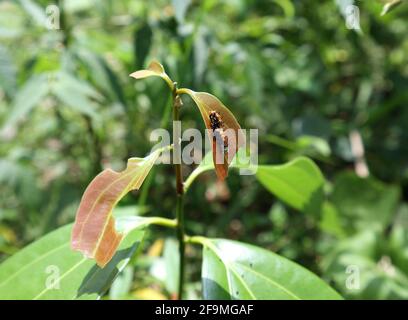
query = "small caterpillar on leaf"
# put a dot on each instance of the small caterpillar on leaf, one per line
(217, 127)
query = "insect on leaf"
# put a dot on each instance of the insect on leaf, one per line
(223, 130)
(94, 233)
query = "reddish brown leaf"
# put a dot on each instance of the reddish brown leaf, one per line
(94, 232)
(223, 152)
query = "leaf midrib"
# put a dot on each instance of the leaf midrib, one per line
(61, 277)
(56, 249)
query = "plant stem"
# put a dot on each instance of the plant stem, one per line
(177, 103)
(163, 222)
(180, 237)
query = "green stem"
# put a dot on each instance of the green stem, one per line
(196, 240)
(193, 175)
(163, 222)
(184, 91)
(180, 237)
(177, 103)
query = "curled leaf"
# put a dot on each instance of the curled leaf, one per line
(155, 69)
(223, 130)
(94, 232)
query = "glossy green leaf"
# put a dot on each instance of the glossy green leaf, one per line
(299, 183)
(61, 273)
(235, 270)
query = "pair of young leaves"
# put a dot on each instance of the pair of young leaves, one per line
(207, 104)
(94, 233)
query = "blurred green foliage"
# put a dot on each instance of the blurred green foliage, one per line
(290, 68)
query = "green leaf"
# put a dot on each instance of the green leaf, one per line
(330, 221)
(361, 268)
(287, 7)
(166, 267)
(298, 183)
(101, 74)
(35, 11)
(61, 273)
(171, 259)
(75, 93)
(143, 41)
(123, 283)
(21, 177)
(30, 95)
(390, 5)
(235, 270)
(155, 69)
(364, 202)
(398, 240)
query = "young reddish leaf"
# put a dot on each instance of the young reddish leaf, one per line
(219, 121)
(94, 232)
(155, 69)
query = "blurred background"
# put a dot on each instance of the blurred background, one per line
(304, 73)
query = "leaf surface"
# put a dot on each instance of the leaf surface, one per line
(155, 69)
(207, 104)
(61, 273)
(94, 232)
(299, 183)
(235, 270)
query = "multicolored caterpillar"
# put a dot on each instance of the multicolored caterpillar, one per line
(217, 126)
